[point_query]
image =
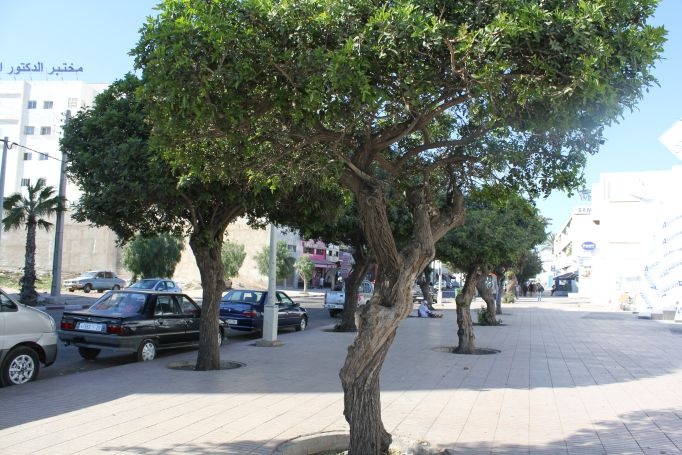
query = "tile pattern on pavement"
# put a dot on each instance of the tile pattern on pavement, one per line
(569, 379)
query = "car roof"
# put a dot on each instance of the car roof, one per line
(146, 291)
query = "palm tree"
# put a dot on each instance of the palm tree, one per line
(40, 203)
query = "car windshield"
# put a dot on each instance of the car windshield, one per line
(126, 304)
(243, 296)
(144, 284)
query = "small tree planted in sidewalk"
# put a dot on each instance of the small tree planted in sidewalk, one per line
(304, 267)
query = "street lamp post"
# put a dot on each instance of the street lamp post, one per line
(270, 308)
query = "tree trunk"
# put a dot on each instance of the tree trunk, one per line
(28, 294)
(465, 328)
(305, 285)
(353, 282)
(487, 296)
(378, 320)
(425, 287)
(500, 292)
(360, 374)
(207, 256)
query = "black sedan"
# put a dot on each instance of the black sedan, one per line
(242, 309)
(137, 321)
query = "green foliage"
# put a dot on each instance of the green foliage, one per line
(232, 255)
(155, 256)
(512, 91)
(31, 210)
(530, 266)
(284, 262)
(508, 297)
(486, 318)
(500, 229)
(304, 267)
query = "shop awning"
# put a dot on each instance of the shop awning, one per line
(323, 264)
(567, 276)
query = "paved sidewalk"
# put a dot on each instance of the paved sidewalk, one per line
(571, 378)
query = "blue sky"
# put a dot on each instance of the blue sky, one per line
(97, 35)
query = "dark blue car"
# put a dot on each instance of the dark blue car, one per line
(242, 309)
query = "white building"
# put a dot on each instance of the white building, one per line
(32, 114)
(629, 240)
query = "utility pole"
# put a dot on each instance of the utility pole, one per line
(55, 290)
(2, 176)
(270, 311)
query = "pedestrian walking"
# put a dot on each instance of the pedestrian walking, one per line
(540, 290)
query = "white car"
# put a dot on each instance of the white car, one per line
(99, 280)
(28, 337)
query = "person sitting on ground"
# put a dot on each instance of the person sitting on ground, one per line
(424, 312)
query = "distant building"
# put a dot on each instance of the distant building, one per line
(628, 241)
(32, 114)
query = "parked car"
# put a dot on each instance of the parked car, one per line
(28, 337)
(141, 322)
(334, 300)
(242, 309)
(156, 284)
(100, 280)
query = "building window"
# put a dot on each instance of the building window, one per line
(42, 156)
(32, 104)
(45, 130)
(28, 156)
(47, 104)
(25, 182)
(73, 102)
(29, 130)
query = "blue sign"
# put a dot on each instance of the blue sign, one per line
(589, 246)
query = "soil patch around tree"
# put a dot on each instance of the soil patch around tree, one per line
(476, 351)
(336, 443)
(190, 364)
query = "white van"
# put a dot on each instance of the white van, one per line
(28, 337)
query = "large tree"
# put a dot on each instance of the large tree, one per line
(32, 210)
(500, 228)
(129, 184)
(423, 98)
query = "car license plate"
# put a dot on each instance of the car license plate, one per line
(91, 326)
(231, 322)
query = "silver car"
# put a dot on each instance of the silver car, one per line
(156, 284)
(28, 337)
(99, 280)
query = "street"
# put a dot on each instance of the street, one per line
(70, 362)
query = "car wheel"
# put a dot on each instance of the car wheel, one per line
(147, 350)
(89, 353)
(302, 324)
(70, 289)
(87, 288)
(21, 366)
(221, 336)
(116, 287)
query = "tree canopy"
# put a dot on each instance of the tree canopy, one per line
(421, 98)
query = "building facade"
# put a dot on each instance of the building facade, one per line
(32, 114)
(627, 244)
